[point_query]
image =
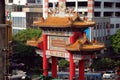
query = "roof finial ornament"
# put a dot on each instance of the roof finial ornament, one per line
(62, 6)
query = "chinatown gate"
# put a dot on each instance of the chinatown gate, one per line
(65, 35)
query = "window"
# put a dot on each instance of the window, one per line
(82, 4)
(117, 14)
(117, 5)
(108, 4)
(97, 14)
(70, 4)
(117, 25)
(94, 38)
(103, 38)
(50, 4)
(104, 25)
(111, 25)
(38, 1)
(108, 14)
(97, 4)
(106, 37)
(97, 38)
(10, 1)
(95, 27)
(31, 1)
(18, 22)
(98, 26)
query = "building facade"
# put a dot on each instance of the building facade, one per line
(106, 13)
(22, 2)
(23, 13)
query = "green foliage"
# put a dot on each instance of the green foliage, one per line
(63, 63)
(24, 35)
(103, 64)
(117, 63)
(20, 39)
(20, 48)
(26, 53)
(115, 41)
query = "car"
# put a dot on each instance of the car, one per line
(109, 75)
(17, 75)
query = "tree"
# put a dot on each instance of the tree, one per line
(103, 64)
(26, 54)
(63, 64)
(21, 37)
(117, 63)
(115, 41)
(27, 34)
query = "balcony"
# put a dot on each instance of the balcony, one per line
(108, 5)
(97, 4)
(117, 5)
(108, 14)
(117, 14)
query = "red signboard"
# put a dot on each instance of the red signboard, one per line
(58, 42)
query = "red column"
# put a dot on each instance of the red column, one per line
(81, 70)
(54, 67)
(72, 67)
(45, 62)
(72, 64)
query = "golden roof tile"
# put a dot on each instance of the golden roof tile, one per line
(92, 47)
(84, 24)
(81, 45)
(54, 22)
(34, 42)
(62, 22)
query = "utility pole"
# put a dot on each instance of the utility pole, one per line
(2, 11)
(2, 42)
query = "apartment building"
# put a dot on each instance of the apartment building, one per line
(22, 2)
(23, 13)
(106, 13)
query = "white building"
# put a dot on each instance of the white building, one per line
(22, 2)
(18, 21)
(106, 13)
(23, 12)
